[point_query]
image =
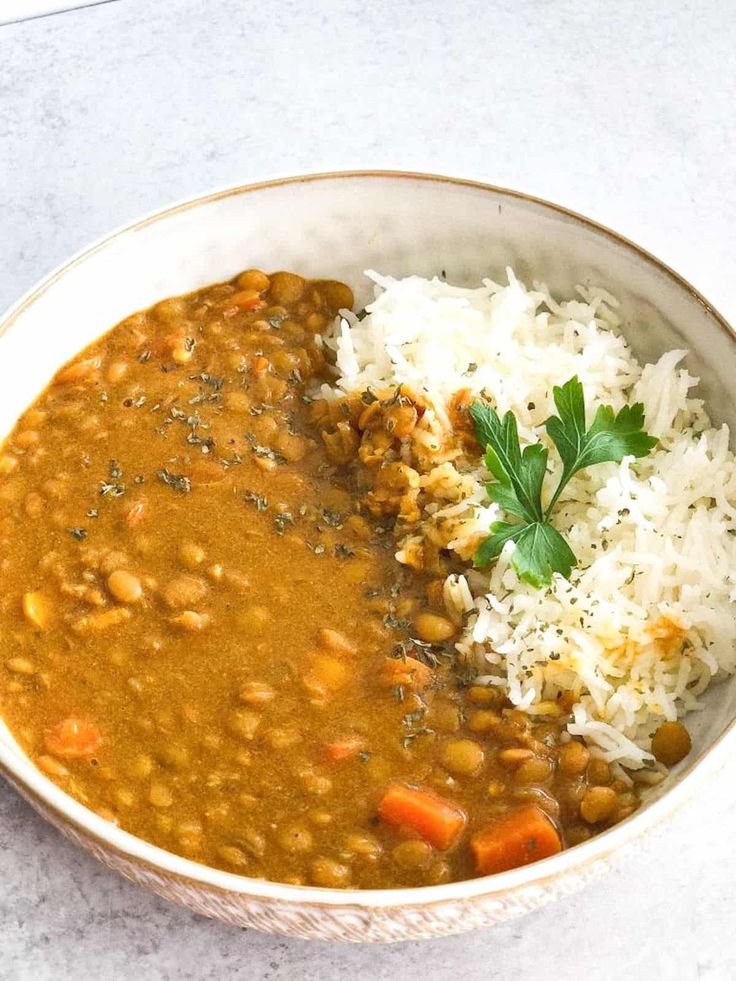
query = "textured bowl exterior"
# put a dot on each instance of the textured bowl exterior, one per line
(340, 224)
(352, 922)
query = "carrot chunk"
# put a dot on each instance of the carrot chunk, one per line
(518, 838)
(434, 819)
(247, 300)
(135, 514)
(343, 748)
(73, 739)
(408, 671)
(259, 365)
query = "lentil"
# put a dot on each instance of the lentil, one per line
(252, 668)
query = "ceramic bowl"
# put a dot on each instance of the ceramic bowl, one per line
(337, 225)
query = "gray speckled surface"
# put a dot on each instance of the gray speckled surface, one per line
(623, 111)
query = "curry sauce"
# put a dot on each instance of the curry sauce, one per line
(205, 636)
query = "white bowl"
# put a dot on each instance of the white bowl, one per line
(337, 225)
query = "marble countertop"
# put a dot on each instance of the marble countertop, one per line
(621, 111)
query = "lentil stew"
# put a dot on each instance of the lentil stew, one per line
(205, 636)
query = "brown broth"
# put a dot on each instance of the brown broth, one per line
(179, 539)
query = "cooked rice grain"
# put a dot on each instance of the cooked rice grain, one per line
(645, 622)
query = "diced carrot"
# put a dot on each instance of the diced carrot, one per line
(434, 819)
(407, 671)
(343, 748)
(247, 300)
(134, 515)
(259, 365)
(73, 738)
(518, 838)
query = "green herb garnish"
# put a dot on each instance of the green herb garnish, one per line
(177, 481)
(411, 718)
(281, 520)
(540, 549)
(111, 490)
(393, 622)
(214, 381)
(132, 403)
(409, 738)
(260, 502)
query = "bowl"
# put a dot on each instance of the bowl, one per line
(337, 225)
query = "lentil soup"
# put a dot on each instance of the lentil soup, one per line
(205, 636)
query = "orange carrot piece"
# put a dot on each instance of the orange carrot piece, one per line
(73, 738)
(247, 300)
(434, 819)
(407, 671)
(259, 365)
(518, 838)
(343, 748)
(134, 515)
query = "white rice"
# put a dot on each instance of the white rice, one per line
(645, 622)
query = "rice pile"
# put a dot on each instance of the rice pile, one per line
(645, 622)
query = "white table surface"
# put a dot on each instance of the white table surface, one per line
(17, 10)
(623, 111)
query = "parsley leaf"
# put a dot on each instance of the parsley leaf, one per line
(540, 550)
(610, 438)
(519, 476)
(178, 481)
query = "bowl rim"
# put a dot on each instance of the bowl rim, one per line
(48, 797)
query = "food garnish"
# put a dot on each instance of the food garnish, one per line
(540, 549)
